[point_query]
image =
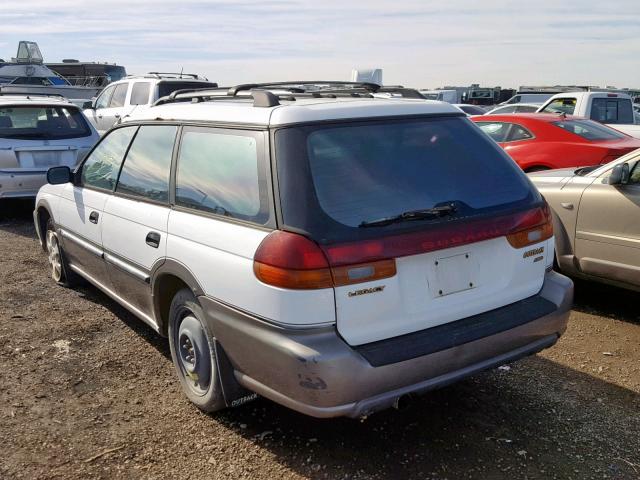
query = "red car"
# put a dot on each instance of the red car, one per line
(540, 141)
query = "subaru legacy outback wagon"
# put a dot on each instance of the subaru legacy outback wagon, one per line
(327, 250)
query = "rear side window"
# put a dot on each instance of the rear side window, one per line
(146, 169)
(44, 122)
(561, 105)
(498, 131)
(518, 132)
(526, 108)
(364, 172)
(612, 110)
(223, 172)
(589, 130)
(509, 109)
(505, 131)
(140, 93)
(165, 88)
(100, 170)
(119, 95)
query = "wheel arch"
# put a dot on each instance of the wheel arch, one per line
(42, 214)
(167, 279)
(563, 243)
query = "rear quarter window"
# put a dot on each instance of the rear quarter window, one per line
(223, 172)
(589, 130)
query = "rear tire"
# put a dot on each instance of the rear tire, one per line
(192, 350)
(58, 265)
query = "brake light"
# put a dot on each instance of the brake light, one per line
(292, 261)
(533, 227)
(289, 260)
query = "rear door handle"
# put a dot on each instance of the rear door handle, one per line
(153, 239)
(93, 217)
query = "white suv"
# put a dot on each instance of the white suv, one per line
(38, 132)
(330, 252)
(120, 99)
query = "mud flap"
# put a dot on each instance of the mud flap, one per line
(234, 393)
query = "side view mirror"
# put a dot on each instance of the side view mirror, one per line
(59, 175)
(88, 105)
(619, 174)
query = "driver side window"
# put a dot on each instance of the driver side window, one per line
(103, 99)
(101, 168)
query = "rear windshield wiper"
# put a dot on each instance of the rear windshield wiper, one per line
(423, 214)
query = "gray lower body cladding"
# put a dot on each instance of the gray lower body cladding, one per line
(315, 372)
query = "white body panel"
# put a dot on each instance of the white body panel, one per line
(220, 256)
(411, 300)
(125, 225)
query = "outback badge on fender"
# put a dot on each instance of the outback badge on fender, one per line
(364, 291)
(531, 253)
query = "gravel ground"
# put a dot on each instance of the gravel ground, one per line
(88, 391)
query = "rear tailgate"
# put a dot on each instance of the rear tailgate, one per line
(371, 193)
(438, 287)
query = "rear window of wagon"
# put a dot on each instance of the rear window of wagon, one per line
(334, 177)
(42, 122)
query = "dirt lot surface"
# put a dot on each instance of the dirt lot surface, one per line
(87, 391)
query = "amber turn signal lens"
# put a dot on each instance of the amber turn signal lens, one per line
(535, 227)
(363, 272)
(293, 279)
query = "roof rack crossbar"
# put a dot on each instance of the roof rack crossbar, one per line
(31, 94)
(270, 94)
(177, 74)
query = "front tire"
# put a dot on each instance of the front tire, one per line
(191, 342)
(58, 266)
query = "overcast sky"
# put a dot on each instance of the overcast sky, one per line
(417, 43)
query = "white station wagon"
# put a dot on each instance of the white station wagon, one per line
(36, 133)
(324, 249)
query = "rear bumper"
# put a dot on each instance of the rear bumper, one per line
(15, 184)
(316, 373)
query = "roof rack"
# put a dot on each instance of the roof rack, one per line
(31, 94)
(195, 76)
(270, 94)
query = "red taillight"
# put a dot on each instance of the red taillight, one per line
(289, 260)
(533, 227)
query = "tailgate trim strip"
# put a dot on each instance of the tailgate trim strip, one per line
(459, 332)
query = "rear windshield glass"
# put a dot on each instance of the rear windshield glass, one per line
(361, 172)
(589, 130)
(166, 88)
(42, 122)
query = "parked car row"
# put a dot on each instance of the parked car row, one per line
(335, 247)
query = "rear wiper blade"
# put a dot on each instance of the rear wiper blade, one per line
(423, 214)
